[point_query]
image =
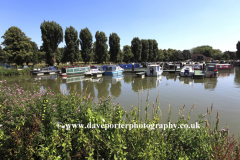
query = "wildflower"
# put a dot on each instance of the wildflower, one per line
(103, 120)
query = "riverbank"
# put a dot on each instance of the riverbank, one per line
(30, 128)
(8, 72)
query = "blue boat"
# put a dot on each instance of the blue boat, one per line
(129, 66)
(113, 70)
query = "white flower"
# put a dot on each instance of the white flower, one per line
(103, 120)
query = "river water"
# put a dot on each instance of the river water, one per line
(223, 92)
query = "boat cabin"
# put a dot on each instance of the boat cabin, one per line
(154, 70)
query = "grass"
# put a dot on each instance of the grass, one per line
(30, 129)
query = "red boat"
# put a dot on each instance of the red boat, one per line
(224, 66)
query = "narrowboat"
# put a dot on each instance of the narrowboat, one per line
(154, 70)
(224, 66)
(72, 71)
(113, 70)
(211, 70)
(186, 71)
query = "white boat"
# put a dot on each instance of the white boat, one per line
(187, 71)
(94, 72)
(154, 70)
(113, 70)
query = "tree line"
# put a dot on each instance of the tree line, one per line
(19, 49)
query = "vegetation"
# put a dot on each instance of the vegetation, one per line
(86, 40)
(17, 46)
(101, 47)
(136, 47)
(19, 49)
(34, 126)
(238, 50)
(115, 51)
(8, 72)
(52, 36)
(72, 44)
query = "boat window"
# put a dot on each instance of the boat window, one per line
(211, 68)
(109, 69)
(63, 70)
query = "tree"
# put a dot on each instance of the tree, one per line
(150, 57)
(155, 51)
(238, 50)
(59, 55)
(2, 59)
(145, 50)
(225, 56)
(136, 47)
(205, 50)
(160, 55)
(127, 52)
(101, 47)
(52, 36)
(72, 43)
(16, 46)
(186, 54)
(115, 51)
(86, 40)
(217, 54)
(166, 55)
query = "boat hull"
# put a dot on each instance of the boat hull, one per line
(113, 73)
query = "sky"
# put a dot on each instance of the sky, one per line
(176, 24)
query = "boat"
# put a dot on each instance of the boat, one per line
(72, 71)
(186, 71)
(154, 70)
(224, 66)
(94, 72)
(129, 66)
(73, 79)
(113, 70)
(198, 67)
(211, 70)
(42, 71)
(100, 68)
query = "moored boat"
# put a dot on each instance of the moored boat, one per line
(224, 66)
(72, 71)
(211, 70)
(94, 72)
(186, 71)
(154, 70)
(113, 70)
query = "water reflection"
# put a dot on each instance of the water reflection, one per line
(186, 80)
(102, 88)
(237, 76)
(145, 83)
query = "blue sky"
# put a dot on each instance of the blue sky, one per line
(176, 24)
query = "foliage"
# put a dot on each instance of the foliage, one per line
(72, 44)
(145, 50)
(2, 59)
(238, 50)
(59, 55)
(127, 52)
(101, 47)
(150, 57)
(8, 72)
(217, 54)
(161, 55)
(205, 50)
(155, 51)
(17, 46)
(86, 40)
(136, 48)
(42, 125)
(186, 54)
(115, 51)
(225, 56)
(52, 36)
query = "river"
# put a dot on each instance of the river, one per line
(223, 92)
